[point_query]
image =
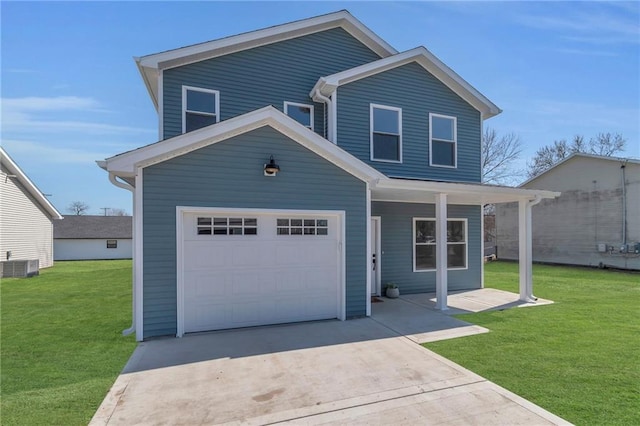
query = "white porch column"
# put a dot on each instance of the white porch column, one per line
(525, 257)
(441, 252)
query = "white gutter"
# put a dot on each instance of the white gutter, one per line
(330, 113)
(113, 179)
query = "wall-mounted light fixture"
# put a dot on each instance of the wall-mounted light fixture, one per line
(272, 168)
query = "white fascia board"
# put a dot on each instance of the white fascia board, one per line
(505, 194)
(150, 79)
(249, 40)
(14, 169)
(125, 165)
(328, 84)
(150, 64)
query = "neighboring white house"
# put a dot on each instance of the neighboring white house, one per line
(93, 237)
(595, 222)
(26, 222)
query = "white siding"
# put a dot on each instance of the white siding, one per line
(89, 249)
(589, 212)
(25, 229)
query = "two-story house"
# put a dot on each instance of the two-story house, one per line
(299, 169)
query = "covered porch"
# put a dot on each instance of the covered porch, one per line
(445, 196)
(417, 317)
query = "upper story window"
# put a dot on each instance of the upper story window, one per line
(442, 141)
(386, 133)
(200, 108)
(302, 113)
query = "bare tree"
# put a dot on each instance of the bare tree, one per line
(604, 144)
(118, 212)
(78, 208)
(498, 155)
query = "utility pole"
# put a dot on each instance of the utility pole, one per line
(105, 210)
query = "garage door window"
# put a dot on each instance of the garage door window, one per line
(303, 227)
(227, 226)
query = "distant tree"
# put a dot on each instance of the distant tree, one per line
(498, 155)
(604, 144)
(118, 212)
(78, 208)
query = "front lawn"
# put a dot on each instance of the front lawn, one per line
(62, 346)
(578, 358)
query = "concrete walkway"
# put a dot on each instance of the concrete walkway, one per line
(328, 372)
(416, 317)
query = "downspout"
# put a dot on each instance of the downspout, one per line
(132, 329)
(328, 102)
(624, 205)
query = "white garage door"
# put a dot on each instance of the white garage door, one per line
(247, 269)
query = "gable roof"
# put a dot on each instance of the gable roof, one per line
(383, 188)
(17, 173)
(92, 227)
(149, 65)
(423, 57)
(581, 155)
(126, 164)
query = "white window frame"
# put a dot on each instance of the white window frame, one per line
(184, 105)
(303, 227)
(390, 108)
(296, 104)
(454, 141)
(227, 226)
(466, 242)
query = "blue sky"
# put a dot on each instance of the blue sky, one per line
(71, 93)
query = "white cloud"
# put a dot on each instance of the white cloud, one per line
(59, 103)
(29, 115)
(595, 23)
(52, 154)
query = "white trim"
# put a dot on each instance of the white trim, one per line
(482, 246)
(161, 105)
(371, 132)
(296, 104)
(455, 141)
(138, 254)
(442, 274)
(466, 242)
(334, 118)
(224, 46)
(125, 164)
(368, 264)
(421, 56)
(378, 231)
(181, 211)
(14, 169)
(216, 93)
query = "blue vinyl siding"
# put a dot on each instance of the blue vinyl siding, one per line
(397, 247)
(230, 174)
(418, 93)
(266, 75)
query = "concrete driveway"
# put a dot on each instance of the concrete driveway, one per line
(330, 372)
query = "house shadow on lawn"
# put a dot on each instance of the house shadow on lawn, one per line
(411, 316)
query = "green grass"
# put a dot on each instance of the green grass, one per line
(62, 346)
(578, 358)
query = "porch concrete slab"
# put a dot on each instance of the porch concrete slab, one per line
(356, 372)
(467, 301)
(420, 323)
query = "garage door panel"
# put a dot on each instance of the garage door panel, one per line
(203, 255)
(320, 279)
(246, 280)
(245, 283)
